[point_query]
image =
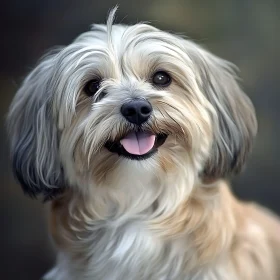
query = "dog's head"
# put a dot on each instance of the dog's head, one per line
(125, 98)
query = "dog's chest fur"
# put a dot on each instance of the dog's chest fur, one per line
(124, 246)
(125, 250)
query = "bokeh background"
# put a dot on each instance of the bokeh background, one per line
(245, 32)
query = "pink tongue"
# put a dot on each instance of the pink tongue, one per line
(138, 143)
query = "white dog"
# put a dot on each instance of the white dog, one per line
(130, 131)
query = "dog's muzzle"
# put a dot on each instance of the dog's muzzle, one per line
(137, 144)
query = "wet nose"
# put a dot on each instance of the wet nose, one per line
(137, 111)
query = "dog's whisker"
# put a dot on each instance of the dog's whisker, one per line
(173, 107)
(181, 128)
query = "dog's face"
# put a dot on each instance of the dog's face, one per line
(123, 99)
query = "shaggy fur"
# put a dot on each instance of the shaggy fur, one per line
(168, 217)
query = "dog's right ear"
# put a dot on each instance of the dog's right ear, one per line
(234, 119)
(33, 134)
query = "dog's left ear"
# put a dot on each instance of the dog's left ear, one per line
(234, 120)
(33, 134)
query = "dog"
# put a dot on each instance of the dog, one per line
(132, 133)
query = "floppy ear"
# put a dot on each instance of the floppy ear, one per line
(33, 134)
(234, 120)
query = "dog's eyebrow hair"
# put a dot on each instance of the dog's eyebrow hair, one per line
(143, 39)
(121, 65)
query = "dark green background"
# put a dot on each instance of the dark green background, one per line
(245, 32)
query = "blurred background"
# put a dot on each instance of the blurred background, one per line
(245, 32)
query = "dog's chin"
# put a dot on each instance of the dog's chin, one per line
(130, 151)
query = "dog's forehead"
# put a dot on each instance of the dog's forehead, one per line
(115, 50)
(123, 38)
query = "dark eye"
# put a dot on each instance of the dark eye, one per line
(92, 87)
(161, 79)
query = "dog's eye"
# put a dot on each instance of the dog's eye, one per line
(161, 79)
(92, 87)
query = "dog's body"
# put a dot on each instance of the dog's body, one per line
(211, 236)
(130, 131)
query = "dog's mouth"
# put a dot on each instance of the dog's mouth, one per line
(137, 145)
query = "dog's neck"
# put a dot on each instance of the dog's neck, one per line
(132, 191)
(76, 219)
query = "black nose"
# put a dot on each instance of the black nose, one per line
(137, 111)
